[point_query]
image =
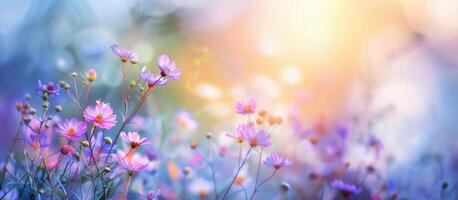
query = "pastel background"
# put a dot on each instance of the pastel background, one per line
(379, 68)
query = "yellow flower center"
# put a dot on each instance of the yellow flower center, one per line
(247, 108)
(71, 132)
(99, 118)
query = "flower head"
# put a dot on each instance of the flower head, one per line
(276, 161)
(134, 139)
(153, 79)
(101, 115)
(246, 106)
(71, 129)
(168, 67)
(91, 75)
(132, 163)
(344, 188)
(50, 89)
(253, 137)
(200, 187)
(152, 194)
(237, 135)
(37, 141)
(124, 54)
(67, 150)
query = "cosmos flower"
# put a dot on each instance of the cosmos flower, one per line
(276, 161)
(101, 115)
(345, 189)
(237, 135)
(133, 163)
(168, 67)
(50, 89)
(246, 106)
(124, 54)
(253, 137)
(37, 141)
(185, 120)
(71, 129)
(151, 195)
(153, 79)
(200, 187)
(134, 139)
(67, 150)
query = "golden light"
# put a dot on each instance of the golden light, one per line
(291, 75)
(208, 91)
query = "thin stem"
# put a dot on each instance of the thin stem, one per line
(237, 173)
(211, 163)
(126, 188)
(10, 152)
(260, 184)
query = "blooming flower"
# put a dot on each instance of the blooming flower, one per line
(101, 115)
(37, 141)
(276, 161)
(153, 79)
(253, 137)
(132, 163)
(49, 89)
(152, 194)
(71, 129)
(237, 135)
(186, 121)
(124, 54)
(345, 189)
(200, 187)
(246, 106)
(134, 139)
(168, 67)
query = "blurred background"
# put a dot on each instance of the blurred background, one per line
(381, 69)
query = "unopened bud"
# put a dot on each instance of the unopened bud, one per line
(91, 75)
(132, 83)
(27, 97)
(106, 169)
(58, 108)
(262, 113)
(64, 85)
(285, 187)
(194, 144)
(32, 111)
(84, 143)
(74, 74)
(208, 135)
(107, 140)
(18, 106)
(186, 170)
(44, 97)
(67, 150)
(50, 117)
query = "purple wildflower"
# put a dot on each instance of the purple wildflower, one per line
(101, 115)
(71, 129)
(50, 89)
(152, 194)
(253, 137)
(132, 163)
(134, 139)
(276, 161)
(168, 67)
(37, 141)
(345, 189)
(246, 106)
(124, 54)
(153, 79)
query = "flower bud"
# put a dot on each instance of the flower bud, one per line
(84, 143)
(208, 135)
(58, 108)
(67, 150)
(132, 83)
(259, 121)
(285, 187)
(45, 105)
(50, 117)
(18, 106)
(262, 113)
(108, 140)
(27, 97)
(74, 74)
(44, 97)
(186, 170)
(194, 144)
(32, 111)
(27, 120)
(106, 169)
(64, 85)
(91, 75)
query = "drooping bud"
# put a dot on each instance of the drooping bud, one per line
(67, 150)
(208, 135)
(74, 74)
(187, 170)
(32, 111)
(285, 187)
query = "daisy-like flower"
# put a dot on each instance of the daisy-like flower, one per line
(200, 187)
(253, 137)
(186, 121)
(37, 141)
(71, 129)
(50, 89)
(345, 189)
(101, 115)
(132, 164)
(152, 194)
(277, 162)
(246, 106)
(124, 54)
(237, 135)
(134, 139)
(168, 67)
(153, 79)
